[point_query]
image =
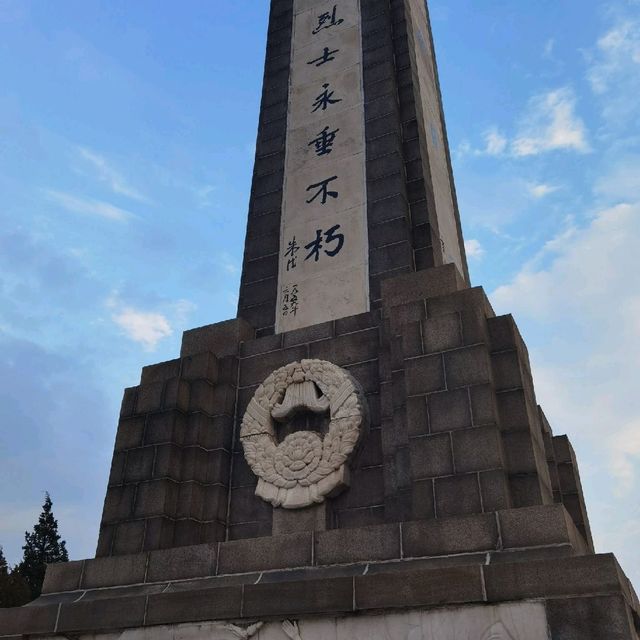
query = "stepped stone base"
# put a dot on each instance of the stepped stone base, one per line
(481, 569)
(464, 517)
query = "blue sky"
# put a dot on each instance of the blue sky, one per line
(127, 132)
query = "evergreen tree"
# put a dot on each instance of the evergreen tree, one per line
(14, 591)
(42, 546)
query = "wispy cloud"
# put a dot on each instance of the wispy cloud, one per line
(549, 124)
(496, 143)
(108, 175)
(573, 298)
(474, 249)
(143, 327)
(618, 49)
(541, 190)
(88, 206)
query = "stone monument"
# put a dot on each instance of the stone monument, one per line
(359, 454)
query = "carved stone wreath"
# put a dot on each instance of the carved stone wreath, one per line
(303, 469)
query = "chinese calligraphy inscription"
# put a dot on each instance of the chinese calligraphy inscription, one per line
(323, 264)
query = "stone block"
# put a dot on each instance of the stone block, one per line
(367, 489)
(352, 324)
(506, 370)
(563, 449)
(118, 503)
(224, 399)
(433, 587)
(552, 578)
(420, 285)
(314, 518)
(261, 345)
(115, 571)
(263, 554)
(514, 410)
(357, 545)
(156, 498)
(308, 334)
(160, 372)
(167, 462)
(254, 370)
(150, 397)
(194, 606)
(27, 620)
(526, 489)
(188, 533)
(442, 333)
(63, 576)
(477, 449)
(201, 397)
(519, 452)
(468, 366)
(139, 464)
(332, 595)
(159, 533)
(422, 500)
(221, 339)
(483, 405)
(182, 562)
(176, 394)
(503, 333)
(431, 456)
(246, 507)
(457, 495)
(424, 375)
(417, 416)
(538, 526)
(447, 536)
(129, 538)
(166, 427)
(211, 433)
(590, 618)
(116, 473)
(130, 433)
(216, 500)
(129, 399)
(449, 410)
(494, 489)
(347, 349)
(364, 517)
(101, 614)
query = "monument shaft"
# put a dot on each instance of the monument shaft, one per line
(360, 453)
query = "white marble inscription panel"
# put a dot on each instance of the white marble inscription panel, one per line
(521, 621)
(323, 271)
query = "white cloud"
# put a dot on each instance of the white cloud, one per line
(474, 249)
(88, 206)
(549, 46)
(110, 176)
(541, 190)
(143, 327)
(583, 305)
(618, 49)
(551, 124)
(614, 75)
(495, 142)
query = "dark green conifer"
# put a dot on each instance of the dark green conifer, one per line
(42, 546)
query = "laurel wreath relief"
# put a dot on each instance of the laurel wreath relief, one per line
(304, 468)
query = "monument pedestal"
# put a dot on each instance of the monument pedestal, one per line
(464, 518)
(360, 454)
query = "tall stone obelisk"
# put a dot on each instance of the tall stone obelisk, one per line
(360, 453)
(352, 181)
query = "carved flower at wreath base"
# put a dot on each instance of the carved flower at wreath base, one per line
(304, 468)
